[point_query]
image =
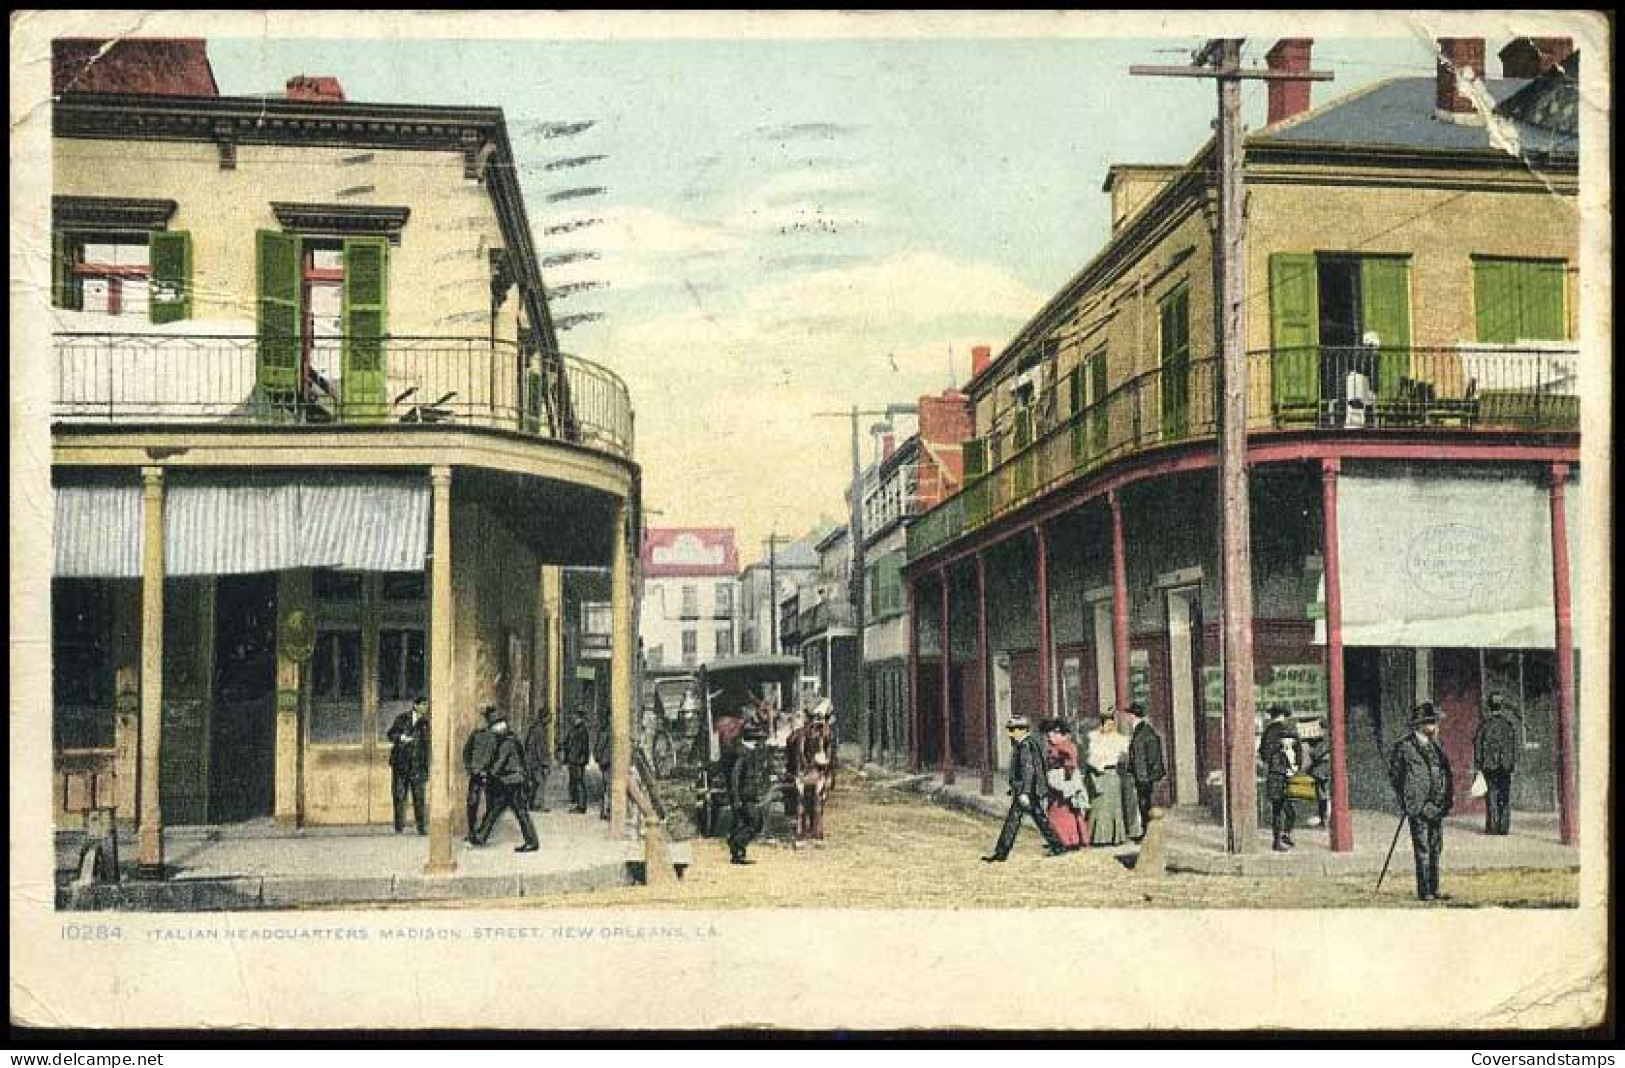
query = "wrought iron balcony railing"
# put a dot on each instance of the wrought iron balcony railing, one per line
(1356, 389)
(160, 379)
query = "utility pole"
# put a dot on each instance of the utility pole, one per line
(773, 541)
(856, 587)
(1220, 60)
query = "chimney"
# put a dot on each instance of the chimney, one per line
(1460, 58)
(981, 358)
(1289, 98)
(1530, 57)
(318, 89)
(888, 445)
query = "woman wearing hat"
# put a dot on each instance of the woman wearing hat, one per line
(1107, 749)
(1068, 800)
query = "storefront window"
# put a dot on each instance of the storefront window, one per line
(404, 586)
(336, 587)
(401, 671)
(81, 659)
(335, 706)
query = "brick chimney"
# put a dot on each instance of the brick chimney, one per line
(888, 445)
(981, 358)
(318, 89)
(1530, 57)
(945, 423)
(1459, 58)
(1289, 98)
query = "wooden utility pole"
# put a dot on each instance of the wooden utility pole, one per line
(1220, 59)
(773, 541)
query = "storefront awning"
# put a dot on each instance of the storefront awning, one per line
(361, 523)
(1448, 562)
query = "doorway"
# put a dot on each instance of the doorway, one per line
(242, 764)
(1184, 663)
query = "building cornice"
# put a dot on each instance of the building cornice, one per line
(110, 213)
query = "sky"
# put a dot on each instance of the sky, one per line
(792, 227)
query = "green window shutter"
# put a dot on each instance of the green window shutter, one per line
(1386, 308)
(1024, 429)
(170, 254)
(63, 290)
(1174, 336)
(366, 266)
(279, 320)
(1541, 303)
(974, 452)
(1495, 301)
(1099, 419)
(1294, 331)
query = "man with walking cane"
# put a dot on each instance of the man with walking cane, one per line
(1420, 773)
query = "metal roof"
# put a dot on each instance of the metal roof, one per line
(1400, 113)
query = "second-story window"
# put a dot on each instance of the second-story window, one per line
(321, 325)
(691, 602)
(724, 599)
(1174, 351)
(127, 275)
(1520, 300)
(691, 647)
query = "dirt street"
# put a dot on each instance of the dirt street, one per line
(890, 849)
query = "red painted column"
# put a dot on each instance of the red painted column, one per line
(947, 682)
(1119, 602)
(983, 673)
(915, 721)
(1342, 829)
(1568, 824)
(1045, 654)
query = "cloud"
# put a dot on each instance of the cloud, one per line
(809, 131)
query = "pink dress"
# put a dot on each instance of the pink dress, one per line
(1069, 823)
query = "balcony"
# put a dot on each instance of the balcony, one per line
(824, 615)
(1351, 389)
(190, 379)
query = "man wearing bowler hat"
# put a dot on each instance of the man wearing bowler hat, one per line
(1495, 751)
(1028, 783)
(1420, 773)
(507, 783)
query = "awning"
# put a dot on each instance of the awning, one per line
(346, 522)
(1449, 562)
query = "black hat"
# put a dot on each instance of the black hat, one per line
(493, 715)
(1017, 722)
(1424, 713)
(1277, 711)
(1137, 708)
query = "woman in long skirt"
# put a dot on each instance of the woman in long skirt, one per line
(1106, 749)
(1066, 799)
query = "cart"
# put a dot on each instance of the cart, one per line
(730, 691)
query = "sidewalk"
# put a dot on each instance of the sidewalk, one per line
(260, 866)
(1196, 841)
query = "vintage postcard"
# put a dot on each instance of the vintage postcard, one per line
(810, 520)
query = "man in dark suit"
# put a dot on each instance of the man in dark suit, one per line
(538, 759)
(746, 787)
(1279, 728)
(577, 751)
(1495, 751)
(1145, 763)
(601, 755)
(477, 753)
(409, 764)
(1280, 765)
(1420, 773)
(507, 783)
(1028, 783)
